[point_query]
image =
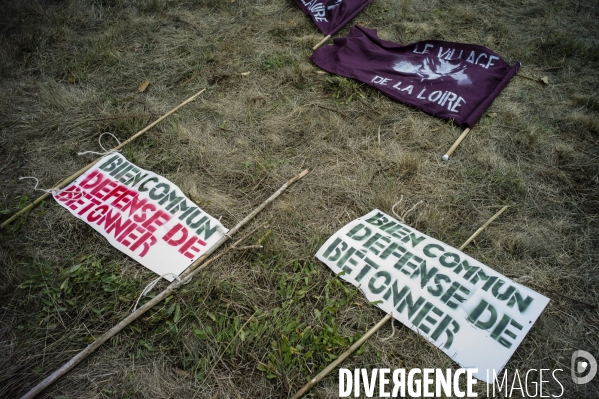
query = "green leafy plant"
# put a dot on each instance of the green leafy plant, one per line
(317, 340)
(91, 282)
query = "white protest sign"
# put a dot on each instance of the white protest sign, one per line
(142, 214)
(472, 313)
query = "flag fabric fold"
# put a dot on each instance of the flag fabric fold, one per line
(331, 15)
(448, 80)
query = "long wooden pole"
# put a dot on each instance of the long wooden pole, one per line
(193, 270)
(320, 43)
(377, 327)
(456, 144)
(484, 226)
(75, 175)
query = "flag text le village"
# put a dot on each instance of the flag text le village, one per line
(451, 101)
(107, 200)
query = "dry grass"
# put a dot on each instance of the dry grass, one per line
(69, 71)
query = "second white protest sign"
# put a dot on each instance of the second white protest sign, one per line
(472, 313)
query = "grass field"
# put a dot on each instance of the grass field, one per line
(69, 70)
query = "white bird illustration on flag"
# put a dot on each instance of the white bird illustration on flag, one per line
(432, 69)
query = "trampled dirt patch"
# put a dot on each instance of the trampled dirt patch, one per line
(71, 70)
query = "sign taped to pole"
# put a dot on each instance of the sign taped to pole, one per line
(472, 313)
(142, 214)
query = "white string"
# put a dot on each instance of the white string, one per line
(106, 152)
(406, 213)
(223, 231)
(52, 191)
(392, 333)
(393, 209)
(151, 286)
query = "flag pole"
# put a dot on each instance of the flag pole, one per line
(183, 279)
(320, 43)
(456, 144)
(75, 175)
(377, 327)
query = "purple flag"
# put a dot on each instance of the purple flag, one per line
(448, 80)
(332, 15)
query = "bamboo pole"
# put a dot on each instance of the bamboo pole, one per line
(456, 144)
(193, 270)
(484, 226)
(377, 327)
(320, 43)
(75, 175)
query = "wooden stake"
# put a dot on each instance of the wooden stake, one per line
(484, 226)
(75, 175)
(320, 43)
(193, 270)
(374, 329)
(456, 144)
